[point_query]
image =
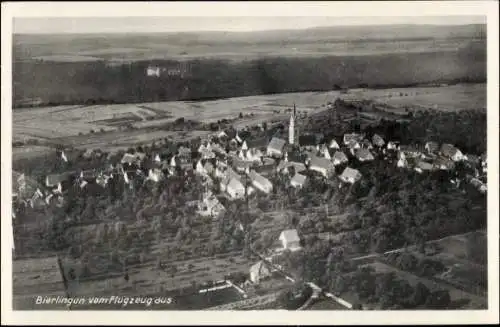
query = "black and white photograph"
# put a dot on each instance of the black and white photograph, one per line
(325, 163)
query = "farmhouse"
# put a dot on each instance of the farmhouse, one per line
(451, 152)
(290, 239)
(339, 158)
(298, 181)
(402, 163)
(210, 206)
(261, 183)
(131, 159)
(275, 147)
(350, 175)
(424, 166)
(153, 71)
(364, 155)
(321, 165)
(378, 141)
(259, 271)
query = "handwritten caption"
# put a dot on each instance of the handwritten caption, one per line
(104, 300)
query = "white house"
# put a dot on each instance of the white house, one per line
(290, 239)
(402, 163)
(321, 165)
(275, 147)
(431, 147)
(298, 181)
(339, 158)
(153, 71)
(244, 146)
(392, 145)
(350, 175)
(259, 271)
(260, 182)
(155, 175)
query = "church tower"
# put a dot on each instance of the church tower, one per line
(291, 127)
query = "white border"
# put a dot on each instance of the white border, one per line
(389, 8)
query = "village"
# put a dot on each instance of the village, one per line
(248, 175)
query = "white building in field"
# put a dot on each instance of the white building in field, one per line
(290, 240)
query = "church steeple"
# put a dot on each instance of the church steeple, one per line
(291, 127)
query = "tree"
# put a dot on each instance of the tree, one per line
(420, 295)
(438, 300)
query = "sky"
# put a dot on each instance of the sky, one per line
(57, 25)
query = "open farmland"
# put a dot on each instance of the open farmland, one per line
(443, 98)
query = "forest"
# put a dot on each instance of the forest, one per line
(58, 83)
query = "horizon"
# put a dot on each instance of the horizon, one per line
(176, 24)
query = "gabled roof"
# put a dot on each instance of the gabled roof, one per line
(54, 179)
(289, 236)
(260, 269)
(259, 179)
(364, 154)
(350, 174)
(276, 144)
(320, 162)
(339, 156)
(425, 165)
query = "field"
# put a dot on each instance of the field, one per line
(444, 98)
(63, 124)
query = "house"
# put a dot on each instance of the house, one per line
(339, 158)
(290, 239)
(431, 147)
(321, 165)
(260, 182)
(424, 166)
(155, 175)
(350, 175)
(352, 138)
(378, 141)
(259, 271)
(451, 152)
(235, 188)
(364, 155)
(402, 163)
(275, 147)
(210, 206)
(200, 168)
(298, 181)
(222, 135)
(244, 146)
(242, 166)
(333, 144)
(285, 166)
(153, 71)
(131, 159)
(392, 145)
